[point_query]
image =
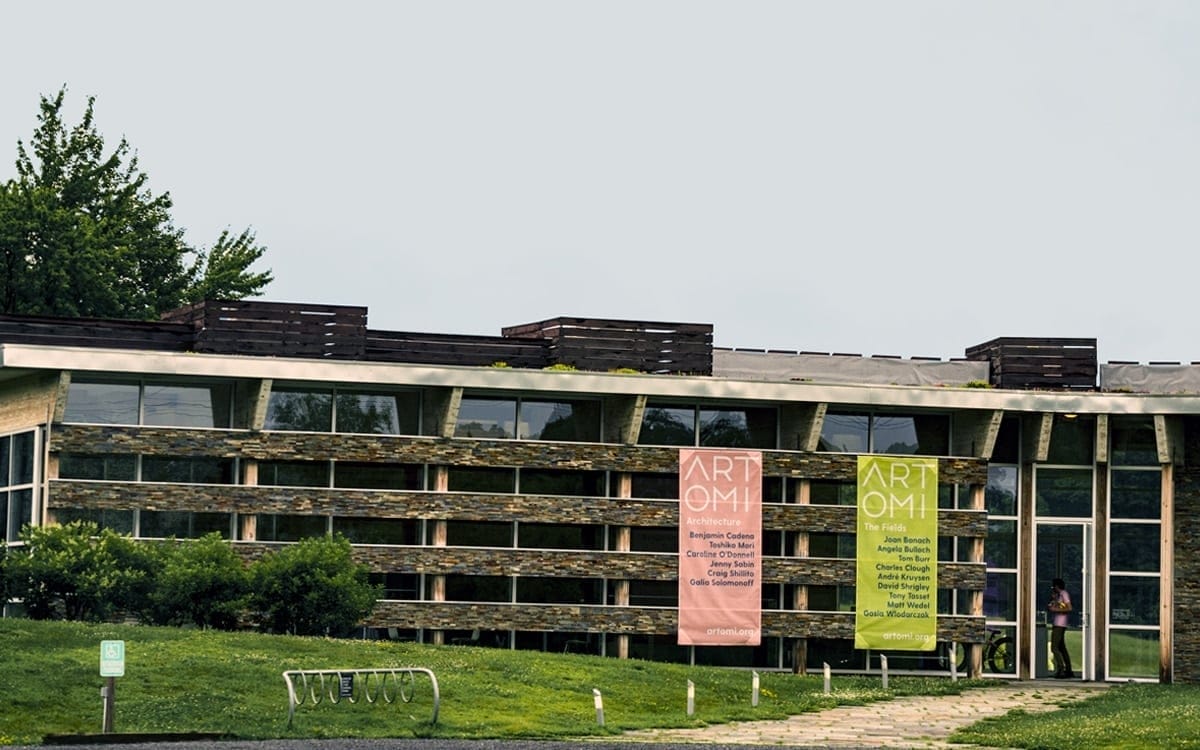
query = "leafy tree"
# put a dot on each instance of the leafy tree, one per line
(202, 582)
(311, 588)
(80, 572)
(82, 234)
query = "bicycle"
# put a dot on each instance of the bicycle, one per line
(999, 653)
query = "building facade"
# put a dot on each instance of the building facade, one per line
(521, 491)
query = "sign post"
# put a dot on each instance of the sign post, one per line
(112, 666)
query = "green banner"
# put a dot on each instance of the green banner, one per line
(896, 593)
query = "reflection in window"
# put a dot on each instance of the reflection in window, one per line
(299, 410)
(486, 418)
(567, 421)
(378, 413)
(102, 403)
(653, 594)
(160, 524)
(647, 539)
(1064, 492)
(886, 432)
(1136, 493)
(1000, 597)
(830, 492)
(1134, 600)
(187, 405)
(1001, 493)
(833, 545)
(559, 536)
(1071, 440)
(654, 486)
(481, 479)
(1134, 442)
(1134, 547)
(668, 425)
(845, 433)
(1133, 654)
(738, 427)
(479, 534)
(120, 521)
(1000, 547)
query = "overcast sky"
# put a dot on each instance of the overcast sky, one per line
(898, 177)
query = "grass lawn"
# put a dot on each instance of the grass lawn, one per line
(231, 683)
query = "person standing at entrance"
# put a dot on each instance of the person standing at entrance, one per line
(1059, 607)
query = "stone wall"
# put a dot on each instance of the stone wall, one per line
(1187, 557)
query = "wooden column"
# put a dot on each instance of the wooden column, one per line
(800, 548)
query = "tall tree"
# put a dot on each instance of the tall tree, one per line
(83, 235)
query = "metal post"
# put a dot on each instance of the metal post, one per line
(754, 689)
(109, 694)
(954, 661)
(599, 706)
(883, 667)
(826, 678)
(691, 701)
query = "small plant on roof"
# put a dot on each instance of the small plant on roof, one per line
(625, 371)
(978, 384)
(561, 367)
(500, 363)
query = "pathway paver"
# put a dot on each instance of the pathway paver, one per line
(910, 722)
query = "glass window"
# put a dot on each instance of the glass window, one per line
(1000, 547)
(20, 512)
(559, 536)
(1007, 449)
(293, 473)
(1064, 492)
(1000, 597)
(1001, 493)
(830, 492)
(290, 528)
(647, 539)
(915, 435)
(368, 476)
(562, 482)
(1133, 600)
(834, 545)
(738, 427)
(1133, 441)
(5, 454)
(479, 534)
(299, 410)
(187, 405)
(22, 458)
(560, 590)
(102, 403)
(1071, 440)
(159, 524)
(481, 479)
(845, 433)
(187, 470)
(1134, 547)
(101, 467)
(486, 418)
(120, 521)
(1133, 654)
(567, 421)
(1135, 494)
(668, 425)
(378, 413)
(653, 594)
(654, 486)
(460, 588)
(397, 585)
(378, 530)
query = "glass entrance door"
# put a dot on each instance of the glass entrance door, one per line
(1063, 550)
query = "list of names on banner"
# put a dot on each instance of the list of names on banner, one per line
(903, 571)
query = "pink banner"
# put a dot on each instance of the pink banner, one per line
(720, 547)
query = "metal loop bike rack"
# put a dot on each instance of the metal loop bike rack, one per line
(389, 685)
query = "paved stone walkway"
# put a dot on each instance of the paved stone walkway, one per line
(916, 722)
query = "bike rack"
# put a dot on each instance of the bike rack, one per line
(316, 685)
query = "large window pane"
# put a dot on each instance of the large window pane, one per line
(647, 539)
(20, 512)
(187, 405)
(102, 403)
(368, 476)
(559, 536)
(568, 421)
(22, 458)
(830, 492)
(187, 470)
(1134, 547)
(158, 524)
(653, 486)
(481, 479)
(1136, 494)
(1134, 600)
(1133, 654)
(460, 588)
(293, 473)
(120, 521)
(1064, 492)
(562, 482)
(378, 530)
(1000, 547)
(1000, 597)
(479, 534)
(560, 590)
(845, 433)
(668, 425)
(1071, 440)
(1001, 493)
(367, 413)
(1134, 442)
(738, 427)
(5, 454)
(486, 418)
(288, 528)
(299, 410)
(106, 467)
(919, 435)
